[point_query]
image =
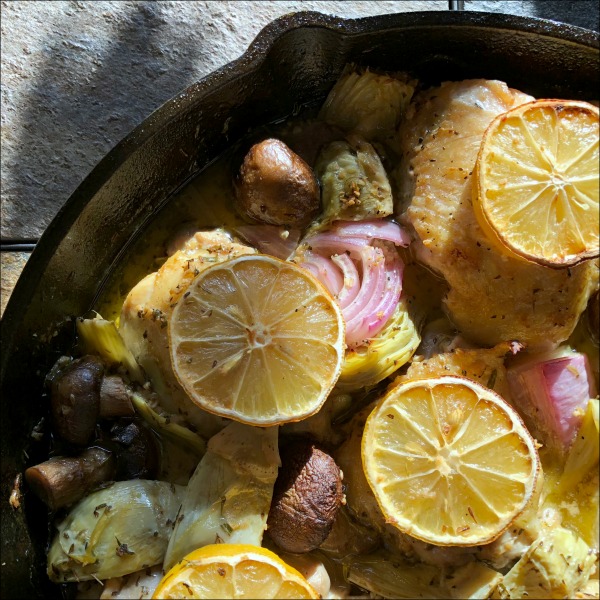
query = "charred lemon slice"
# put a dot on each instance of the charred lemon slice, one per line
(233, 571)
(257, 340)
(449, 461)
(536, 192)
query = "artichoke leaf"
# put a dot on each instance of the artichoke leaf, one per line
(590, 591)
(354, 184)
(474, 580)
(574, 493)
(391, 348)
(390, 576)
(165, 426)
(229, 494)
(585, 451)
(102, 337)
(368, 103)
(554, 566)
(115, 531)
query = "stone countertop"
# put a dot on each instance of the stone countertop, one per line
(78, 76)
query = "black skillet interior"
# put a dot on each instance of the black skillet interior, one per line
(294, 61)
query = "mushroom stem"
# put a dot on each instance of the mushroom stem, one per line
(62, 481)
(115, 400)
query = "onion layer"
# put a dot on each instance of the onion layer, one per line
(554, 388)
(270, 239)
(358, 264)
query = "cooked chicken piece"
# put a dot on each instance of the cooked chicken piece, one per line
(483, 365)
(491, 298)
(146, 312)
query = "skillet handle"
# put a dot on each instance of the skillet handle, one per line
(456, 5)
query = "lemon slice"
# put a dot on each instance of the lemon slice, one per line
(258, 340)
(233, 571)
(449, 461)
(537, 182)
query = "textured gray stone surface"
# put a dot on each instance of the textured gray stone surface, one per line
(12, 264)
(78, 76)
(583, 13)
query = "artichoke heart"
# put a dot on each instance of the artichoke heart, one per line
(354, 184)
(585, 451)
(391, 576)
(576, 494)
(101, 337)
(387, 352)
(229, 495)
(555, 566)
(115, 531)
(368, 103)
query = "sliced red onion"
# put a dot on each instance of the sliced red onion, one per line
(353, 235)
(331, 243)
(314, 270)
(373, 230)
(325, 270)
(372, 267)
(389, 298)
(270, 239)
(371, 320)
(369, 294)
(351, 279)
(555, 391)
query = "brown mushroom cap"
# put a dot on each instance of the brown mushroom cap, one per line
(275, 186)
(75, 399)
(138, 453)
(307, 495)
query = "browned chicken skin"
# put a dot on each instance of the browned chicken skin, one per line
(491, 298)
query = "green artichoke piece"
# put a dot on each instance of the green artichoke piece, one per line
(554, 566)
(167, 428)
(388, 351)
(390, 576)
(354, 184)
(584, 453)
(576, 495)
(229, 495)
(367, 103)
(590, 591)
(115, 531)
(101, 337)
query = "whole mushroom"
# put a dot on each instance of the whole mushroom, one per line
(138, 453)
(75, 399)
(63, 480)
(275, 186)
(306, 497)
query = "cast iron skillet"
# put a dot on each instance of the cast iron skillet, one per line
(293, 61)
